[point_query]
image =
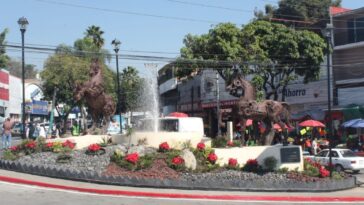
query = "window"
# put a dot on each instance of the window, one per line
(322, 154)
(355, 30)
(347, 153)
(334, 154)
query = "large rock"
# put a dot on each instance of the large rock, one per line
(190, 159)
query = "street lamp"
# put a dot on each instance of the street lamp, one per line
(116, 43)
(23, 22)
(327, 32)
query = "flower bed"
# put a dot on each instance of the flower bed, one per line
(168, 167)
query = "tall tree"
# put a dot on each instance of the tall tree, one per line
(131, 86)
(15, 68)
(283, 54)
(3, 57)
(273, 52)
(95, 33)
(299, 12)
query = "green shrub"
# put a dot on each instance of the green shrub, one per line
(237, 143)
(252, 166)
(105, 141)
(270, 163)
(142, 163)
(173, 159)
(282, 170)
(218, 142)
(337, 176)
(9, 155)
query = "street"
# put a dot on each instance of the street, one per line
(29, 195)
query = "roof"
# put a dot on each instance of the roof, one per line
(337, 10)
(349, 12)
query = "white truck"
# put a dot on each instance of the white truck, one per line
(342, 159)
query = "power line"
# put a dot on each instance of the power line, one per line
(127, 12)
(209, 6)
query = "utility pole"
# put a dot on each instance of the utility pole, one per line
(192, 96)
(218, 105)
(51, 120)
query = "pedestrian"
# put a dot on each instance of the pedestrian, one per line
(30, 131)
(314, 146)
(42, 131)
(6, 136)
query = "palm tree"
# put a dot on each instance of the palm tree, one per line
(95, 33)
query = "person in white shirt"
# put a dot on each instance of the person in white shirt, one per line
(314, 146)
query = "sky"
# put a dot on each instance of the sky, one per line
(145, 27)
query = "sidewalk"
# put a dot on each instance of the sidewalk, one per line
(353, 195)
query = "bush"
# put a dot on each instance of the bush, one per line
(9, 155)
(232, 164)
(218, 142)
(252, 166)
(175, 161)
(270, 163)
(282, 170)
(204, 162)
(164, 147)
(132, 161)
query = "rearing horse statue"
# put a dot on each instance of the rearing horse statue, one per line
(100, 105)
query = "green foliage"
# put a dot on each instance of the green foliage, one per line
(270, 163)
(306, 11)
(143, 163)
(218, 142)
(252, 166)
(9, 155)
(63, 158)
(105, 141)
(3, 57)
(131, 85)
(203, 165)
(237, 143)
(282, 170)
(15, 68)
(187, 145)
(337, 175)
(280, 54)
(170, 155)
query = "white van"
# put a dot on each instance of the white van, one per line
(175, 124)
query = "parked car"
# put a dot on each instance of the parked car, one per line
(342, 159)
(17, 129)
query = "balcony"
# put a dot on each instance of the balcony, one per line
(168, 85)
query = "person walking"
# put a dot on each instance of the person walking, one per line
(42, 131)
(6, 135)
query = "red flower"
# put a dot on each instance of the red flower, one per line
(252, 162)
(230, 143)
(177, 160)
(164, 147)
(94, 148)
(14, 148)
(324, 172)
(201, 146)
(31, 145)
(233, 162)
(69, 144)
(132, 158)
(212, 157)
(49, 145)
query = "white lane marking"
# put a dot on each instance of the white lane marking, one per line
(173, 199)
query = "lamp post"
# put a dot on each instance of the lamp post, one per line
(23, 22)
(327, 33)
(218, 105)
(116, 43)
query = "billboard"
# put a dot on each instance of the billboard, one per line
(114, 126)
(36, 107)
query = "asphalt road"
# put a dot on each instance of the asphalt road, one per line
(15, 194)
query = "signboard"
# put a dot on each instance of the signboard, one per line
(290, 155)
(36, 107)
(114, 126)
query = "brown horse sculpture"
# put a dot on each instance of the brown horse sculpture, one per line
(267, 111)
(100, 105)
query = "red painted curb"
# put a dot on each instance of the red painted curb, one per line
(186, 196)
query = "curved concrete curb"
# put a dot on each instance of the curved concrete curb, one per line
(213, 184)
(186, 196)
